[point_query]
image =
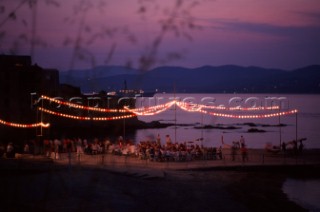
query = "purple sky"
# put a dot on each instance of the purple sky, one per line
(272, 34)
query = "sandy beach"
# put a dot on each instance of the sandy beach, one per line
(42, 184)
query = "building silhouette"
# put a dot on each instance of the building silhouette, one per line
(19, 79)
(21, 85)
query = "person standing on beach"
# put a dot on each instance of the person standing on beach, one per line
(57, 144)
(10, 150)
(244, 153)
(120, 141)
(168, 140)
(158, 139)
(242, 141)
(300, 147)
(26, 149)
(79, 147)
(47, 147)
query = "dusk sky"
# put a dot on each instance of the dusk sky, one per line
(272, 34)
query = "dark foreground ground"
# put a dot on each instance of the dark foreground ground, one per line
(51, 187)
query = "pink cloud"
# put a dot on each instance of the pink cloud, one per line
(229, 28)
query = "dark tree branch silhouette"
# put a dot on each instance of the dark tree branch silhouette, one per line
(172, 20)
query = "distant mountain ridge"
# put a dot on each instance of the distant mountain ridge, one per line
(205, 79)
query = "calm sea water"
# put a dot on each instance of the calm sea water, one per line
(304, 125)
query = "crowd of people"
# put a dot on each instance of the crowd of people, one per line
(52, 148)
(153, 149)
(239, 145)
(177, 151)
(149, 149)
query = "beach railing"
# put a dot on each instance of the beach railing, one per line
(254, 157)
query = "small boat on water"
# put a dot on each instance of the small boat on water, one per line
(135, 93)
(290, 145)
(125, 92)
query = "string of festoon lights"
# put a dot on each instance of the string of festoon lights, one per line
(82, 107)
(12, 124)
(238, 108)
(148, 111)
(270, 115)
(78, 106)
(85, 118)
(196, 107)
(154, 110)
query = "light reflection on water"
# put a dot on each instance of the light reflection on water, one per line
(308, 121)
(305, 193)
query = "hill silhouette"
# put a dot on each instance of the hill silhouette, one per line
(205, 79)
